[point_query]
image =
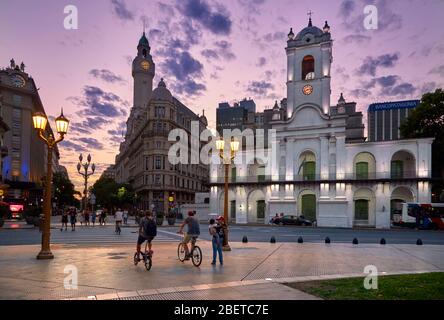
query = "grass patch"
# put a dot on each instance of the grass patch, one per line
(425, 286)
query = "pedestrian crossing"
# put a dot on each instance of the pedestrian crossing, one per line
(103, 236)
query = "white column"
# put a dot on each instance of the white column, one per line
(289, 160)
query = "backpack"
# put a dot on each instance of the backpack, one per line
(149, 228)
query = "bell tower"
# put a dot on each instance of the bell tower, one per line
(309, 58)
(143, 71)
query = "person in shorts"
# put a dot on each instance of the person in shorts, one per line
(147, 232)
(192, 233)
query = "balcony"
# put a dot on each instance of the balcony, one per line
(331, 178)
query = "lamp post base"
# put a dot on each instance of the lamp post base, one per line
(226, 247)
(45, 255)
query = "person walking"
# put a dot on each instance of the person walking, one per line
(125, 216)
(118, 217)
(215, 231)
(64, 220)
(103, 217)
(86, 216)
(93, 218)
(73, 218)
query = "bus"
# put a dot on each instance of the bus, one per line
(423, 215)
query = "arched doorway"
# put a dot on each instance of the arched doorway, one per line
(364, 166)
(364, 208)
(307, 204)
(256, 206)
(399, 196)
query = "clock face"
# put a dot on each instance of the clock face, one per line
(307, 90)
(341, 110)
(145, 65)
(18, 81)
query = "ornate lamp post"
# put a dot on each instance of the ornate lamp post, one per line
(234, 147)
(40, 121)
(85, 175)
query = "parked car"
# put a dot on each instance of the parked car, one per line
(293, 220)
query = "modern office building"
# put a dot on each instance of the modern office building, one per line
(385, 119)
(24, 168)
(143, 156)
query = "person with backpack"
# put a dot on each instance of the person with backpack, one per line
(147, 232)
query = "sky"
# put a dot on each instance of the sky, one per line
(210, 52)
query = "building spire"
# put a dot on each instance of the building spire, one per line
(310, 13)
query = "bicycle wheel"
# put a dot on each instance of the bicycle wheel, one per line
(148, 262)
(181, 252)
(136, 259)
(196, 257)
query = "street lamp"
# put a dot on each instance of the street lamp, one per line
(234, 147)
(85, 175)
(40, 121)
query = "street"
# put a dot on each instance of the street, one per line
(104, 235)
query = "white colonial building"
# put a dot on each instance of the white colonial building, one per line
(312, 168)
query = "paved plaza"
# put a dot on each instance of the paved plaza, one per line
(251, 271)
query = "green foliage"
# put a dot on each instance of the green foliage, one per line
(427, 121)
(426, 286)
(63, 190)
(110, 194)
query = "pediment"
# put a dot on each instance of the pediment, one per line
(308, 116)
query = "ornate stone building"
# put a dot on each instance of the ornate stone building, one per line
(319, 165)
(25, 164)
(143, 156)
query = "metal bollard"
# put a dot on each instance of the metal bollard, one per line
(245, 239)
(327, 240)
(273, 239)
(382, 241)
(419, 242)
(300, 240)
(355, 241)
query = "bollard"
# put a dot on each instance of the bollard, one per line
(245, 239)
(327, 240)
(419, 242)
(355, 241)
(382, 241)
(273, 239)
(300, 240)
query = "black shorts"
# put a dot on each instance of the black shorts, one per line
(142, 239)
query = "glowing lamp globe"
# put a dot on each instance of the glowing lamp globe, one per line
(39, 120)
(62, 124)
(234, 145)
(220, 144)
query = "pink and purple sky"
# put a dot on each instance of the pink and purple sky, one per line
(209, 52)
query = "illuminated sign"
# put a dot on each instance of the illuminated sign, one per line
(15, 207)
(394, 105)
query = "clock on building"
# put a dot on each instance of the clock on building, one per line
(18, 81)
(145, 65)
(341, 109)
(307, 90)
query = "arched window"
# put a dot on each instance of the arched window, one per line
(308, 68)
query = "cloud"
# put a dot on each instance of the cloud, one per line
(371, 64)
(360, 93)
(210, 54)
(106, 76)
(224, 49)
(189, 87)
(390, 86)
(356, 38)
(91, 143)
(71, 146)
(438, 70)
(182, 65)
(252, 5)
(262, 62)
(351, 13)
(403, 89)
(98, 103)
(216, 21)
(385, 81)
(120, 10)
(276, 36)
(260, 88)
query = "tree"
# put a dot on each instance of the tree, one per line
(63, 190)
(427, 121)
(110, 194)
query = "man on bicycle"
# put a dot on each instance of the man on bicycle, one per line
(147, 232)
(118, 218)
(192, 234)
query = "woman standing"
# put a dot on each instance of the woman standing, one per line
(215, 231)
(64, 220)
(73, 217)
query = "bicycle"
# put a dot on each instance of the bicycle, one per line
(196, 253)
(147, 258)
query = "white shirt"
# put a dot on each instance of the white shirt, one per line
(119, 215)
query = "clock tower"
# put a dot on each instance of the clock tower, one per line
(309, 58)
(143, 71)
